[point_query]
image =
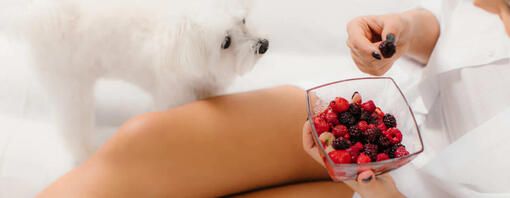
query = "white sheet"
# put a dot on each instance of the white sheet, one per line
(307, 48)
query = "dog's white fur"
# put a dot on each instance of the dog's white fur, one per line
(171, 49)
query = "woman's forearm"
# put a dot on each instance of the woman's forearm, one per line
(424, 30)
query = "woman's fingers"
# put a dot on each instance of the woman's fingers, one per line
(360, 36)
(309, 144)
(366, 177)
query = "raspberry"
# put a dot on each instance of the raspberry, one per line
(394, 135)
(341, 143)
(355, 132)
(346, 118)
(355, 110)
(384, 142)
(390, 121)
(365, 115)
(400, 152)
(381, 157)
(354, 152)
(331, 117)
(320, 125)
(356, 98)
(339, 130)
(358, 145)
(371, 134)
(340, 104)
(340, 157)
(363, 125)
(368, 106)
(362, 158)
(387, 48)
(381, 126)
(375, 118)
(370, 150)
(370, 126)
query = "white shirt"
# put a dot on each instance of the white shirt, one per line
(466, 90)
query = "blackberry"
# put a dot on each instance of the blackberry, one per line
(391, 151)
(387, 48)
(383, 141)
(371, 135)
(341, 143)
(355, 133)
(346, 118)
(355, 110)
(370, 150)
(365, 115)
(389, 120)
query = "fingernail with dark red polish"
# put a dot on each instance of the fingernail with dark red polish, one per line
(366, 180)
(376, 55)
(390, 37)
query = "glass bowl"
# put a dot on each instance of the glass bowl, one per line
(387, 95)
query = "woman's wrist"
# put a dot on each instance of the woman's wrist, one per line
(423, 30)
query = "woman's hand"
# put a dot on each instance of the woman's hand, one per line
(366, 34)
(413, 33)
(309, 145)
(367, 185)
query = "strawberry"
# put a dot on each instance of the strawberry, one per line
(340, 157)
(320, 124)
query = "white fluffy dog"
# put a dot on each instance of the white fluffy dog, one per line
(178, 51)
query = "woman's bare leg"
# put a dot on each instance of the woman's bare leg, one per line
(214, 147)
(305, 190)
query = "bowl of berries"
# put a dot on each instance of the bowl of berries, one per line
(362, 124)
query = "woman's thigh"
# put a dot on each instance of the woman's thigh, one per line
(213, 147)
(305, 190)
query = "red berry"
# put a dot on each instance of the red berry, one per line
(340, 104)
(381, 157)
(379, 112)
(354, 152)
(363, 158)
(340, 157)
(331, 117)
(339, 130)
(347, 136)
(381, 126)
(400, 152)
(394, 135)
(320, 124)
(358, 145)
(363, 125)
(368, 106)
(371, 126)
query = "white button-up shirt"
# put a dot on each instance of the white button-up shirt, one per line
(466, 90)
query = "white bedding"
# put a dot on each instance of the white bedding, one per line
(307, 48)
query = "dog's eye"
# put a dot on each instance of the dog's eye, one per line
(226, 42)
(244, 20)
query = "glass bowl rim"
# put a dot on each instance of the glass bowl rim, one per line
(371, 163)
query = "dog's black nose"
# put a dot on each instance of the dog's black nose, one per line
(264, 44)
